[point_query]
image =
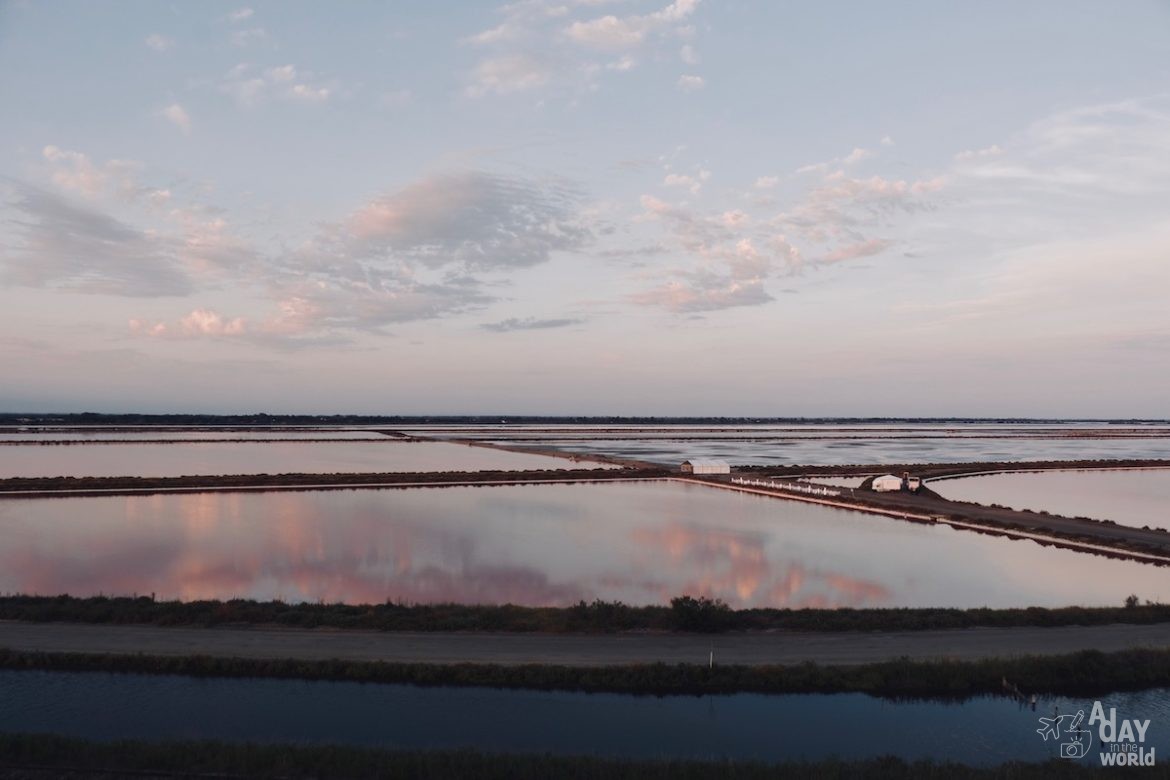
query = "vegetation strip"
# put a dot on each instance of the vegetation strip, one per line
(685, 613)
(42, 755)
(1086, 673)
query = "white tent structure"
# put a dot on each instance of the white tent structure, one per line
(887, 483)
(705, 467)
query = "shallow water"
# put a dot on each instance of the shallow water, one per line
(218, 434)
(836, 443)
(639, 542)
(840, 451)
(1131, 497)
(265, 457)
(982, 731)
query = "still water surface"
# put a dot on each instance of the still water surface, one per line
(639, 542)
(834, 451)
(983, 731)
(209, 434)
(1131, 497)
(837, 443)
(267, 457)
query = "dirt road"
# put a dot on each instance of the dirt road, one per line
(578, 650)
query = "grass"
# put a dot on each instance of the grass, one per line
(684, 614)
(1085, 673)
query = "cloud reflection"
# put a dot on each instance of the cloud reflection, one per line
(734, 566)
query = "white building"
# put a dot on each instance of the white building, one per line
(705, 467)
(887, 483)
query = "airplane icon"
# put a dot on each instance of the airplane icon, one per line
(1050, 727)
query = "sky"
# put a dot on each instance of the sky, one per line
(639, 207)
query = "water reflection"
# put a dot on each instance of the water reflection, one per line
(1138, 498)
(982, 731)
(729, 562)
(830, 452)
(538, 545)
(322, 457)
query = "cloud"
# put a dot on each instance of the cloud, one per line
(735, 259)
(687, 55)
(240, 14)
(974, 154)
(767, 182)
(692, 183)
(76, 173)
(528, 323)
(857, 155)
(613, 32)
(206, 245)
(1062, 221)
(178, 116)
(331, 303)
(507, 74)
(413, 254)
(248, 85)
(540, 45)
(280, 74)
(607, 32)
(309, 94)
(204, 322)
(66, 246)
(1104, 150)
(159, 43)
(865, 248)
(501, 33)
(704, 294)
(199, 323)
(841, 207)
(473, 219)
(887, 141)
(690, 83)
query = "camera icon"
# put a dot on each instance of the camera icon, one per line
(1074, 750)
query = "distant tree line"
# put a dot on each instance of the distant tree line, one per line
(684, 613)
(265, 419)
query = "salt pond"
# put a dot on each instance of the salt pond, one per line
(182, 434)
(1137, 497)
(836, 443)
(640, 542)
(265, 457)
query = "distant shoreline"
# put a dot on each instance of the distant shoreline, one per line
(18, 419)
